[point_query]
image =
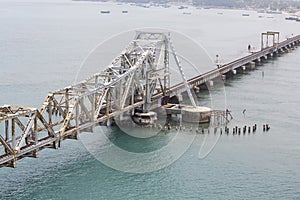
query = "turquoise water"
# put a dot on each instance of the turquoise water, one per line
(42, 46)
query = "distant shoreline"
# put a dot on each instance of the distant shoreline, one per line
(290, 11)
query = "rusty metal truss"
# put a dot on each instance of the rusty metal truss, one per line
(130, 81)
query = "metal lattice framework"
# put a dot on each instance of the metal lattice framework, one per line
(138, 73)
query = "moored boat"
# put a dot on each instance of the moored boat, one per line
(104, 11)
(291, 18)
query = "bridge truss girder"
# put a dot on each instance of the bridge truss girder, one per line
(132, 79)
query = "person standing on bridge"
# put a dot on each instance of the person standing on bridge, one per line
(249, 48)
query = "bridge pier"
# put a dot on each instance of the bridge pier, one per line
(13, 163)
(211, 83)
(35, 154)
(228, 75)
(207, 85)
(286, 49)
(281, 50)
(264, 58)
(196, 89)
(241, 69)
(55, 144)
(251, 65)
(270, 55)
(223, 77)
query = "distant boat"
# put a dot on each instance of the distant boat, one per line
(124, 11)
(104, 11)
(260, 16)
(291, 18)
(245, 15)
(187, 13)
(182, 7)
(220, 13)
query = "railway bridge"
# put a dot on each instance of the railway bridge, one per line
(137, 80)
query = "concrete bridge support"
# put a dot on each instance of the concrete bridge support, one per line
(196, 89)
(286, 49)
(224, 77)
(281, 50)
(270, 55)
(211, 83)
(252, 65)
(264, 58)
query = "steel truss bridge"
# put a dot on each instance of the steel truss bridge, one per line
(137, 78)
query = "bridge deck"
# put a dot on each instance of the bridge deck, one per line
(224, 69)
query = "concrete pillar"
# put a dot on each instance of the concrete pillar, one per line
(197, 89)
(180, 98)
(211, 83)
(224, 77)
(56, 144)
(252, 65)
(244, 67)
(234, 72)
(13, 163)
(35, 154)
